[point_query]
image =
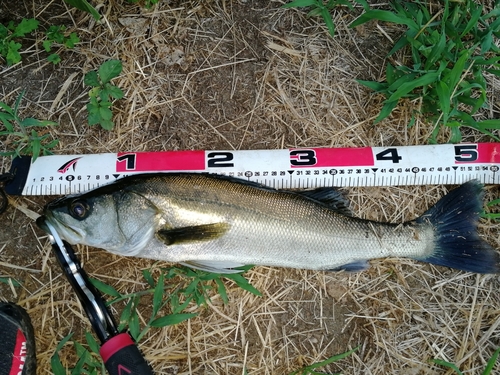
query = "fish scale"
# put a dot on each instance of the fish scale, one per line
(218, 223)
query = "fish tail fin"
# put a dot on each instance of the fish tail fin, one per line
(457, 243)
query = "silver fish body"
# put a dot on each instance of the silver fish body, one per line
(216, 223)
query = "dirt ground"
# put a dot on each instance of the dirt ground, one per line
(244, 75)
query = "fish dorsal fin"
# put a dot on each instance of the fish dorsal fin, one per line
(195, 233)
(332, 198)
(213, 266)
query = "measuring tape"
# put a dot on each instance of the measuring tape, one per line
(280, 169)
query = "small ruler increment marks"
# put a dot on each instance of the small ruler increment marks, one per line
(300, 168)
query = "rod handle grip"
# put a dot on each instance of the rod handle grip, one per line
(121, 356)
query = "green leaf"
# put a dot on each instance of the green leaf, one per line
(46, 45)
(221, 289)
(487, 42)
(54, 58)
(107, 124)
(91, 341)
(169, 320)
(9, 280)
(491, 362)
(386, 111)
(407, 87)
(440, 362)
(85, 6)
(489, 124)
(109, 70)
(301, 3)
(26, 26)
(148, 277)
(158, 295)
(111, 90)
(72, 40)
(91, 79)
(383, 15)
(243, 283)
(13, 56)
(444, 95)
(105, 288)
(134, 326)
(474, 17)
(105, 113)
(327, 17)
(374, 85)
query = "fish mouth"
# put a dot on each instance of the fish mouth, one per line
(65, 232)
(41, 222)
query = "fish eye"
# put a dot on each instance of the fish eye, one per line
(79, 209)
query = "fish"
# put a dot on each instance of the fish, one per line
(218, 224)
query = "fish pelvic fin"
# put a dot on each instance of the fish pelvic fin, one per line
(195, 233)
(457, 243)
(214, 266)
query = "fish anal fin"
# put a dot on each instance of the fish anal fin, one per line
(213, 266)
(357, 266)
(195, 233)
(330, 197)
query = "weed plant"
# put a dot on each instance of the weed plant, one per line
(22, 133)
(311, 369)
(488, 370)
(9, 47)
(99, 108)
(322, 9)
(191, 286)
(452, 49)
(55, 35)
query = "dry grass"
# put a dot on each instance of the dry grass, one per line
(248, 75)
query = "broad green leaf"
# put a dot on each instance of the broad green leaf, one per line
(105, 113)
(113, 91)
(54, 58)
(46, 45)
(107, 124)
(407, 87)
(105, 288)
(85, 6)
(13, 56)
(302, 3)
(25, 26)
(91, 79)
(109, 70)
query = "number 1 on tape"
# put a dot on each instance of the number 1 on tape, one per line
(281, 169)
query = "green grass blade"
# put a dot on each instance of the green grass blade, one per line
(444, 95)
(301, 3)
(408, 87)
(452, 366)
(386, 110)
(491, 363)
(383, 15)
(169, 320)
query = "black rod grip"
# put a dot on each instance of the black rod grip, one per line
(122, 356)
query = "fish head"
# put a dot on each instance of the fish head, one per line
(121, 222)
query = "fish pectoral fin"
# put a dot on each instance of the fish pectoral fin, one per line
(357, 266)
(195, 233)
(213, 266)
(330, 197)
